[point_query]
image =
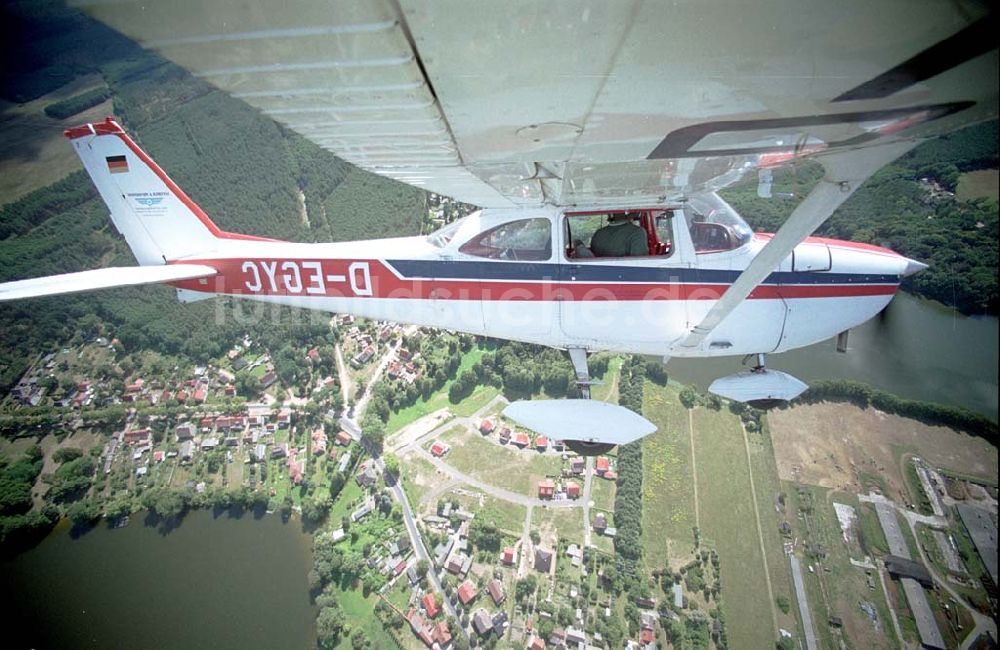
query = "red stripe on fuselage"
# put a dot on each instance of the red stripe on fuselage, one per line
(372, 279)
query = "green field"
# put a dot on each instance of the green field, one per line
(602, 493)
(836, 587)
(728, 523)
(767, 484)
(608, 391)
(439, 399)
(567, 521)
(412, 467)
(668, 490)
(518, 471)
(505, 515)
(981, 184)
(360, 612)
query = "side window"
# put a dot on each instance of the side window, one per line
(524, 239)
(653, 229)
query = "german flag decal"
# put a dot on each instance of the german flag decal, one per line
(117, 164)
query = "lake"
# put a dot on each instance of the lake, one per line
(919, 350)
(212, 582)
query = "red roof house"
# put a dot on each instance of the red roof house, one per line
(521, 440)
(496, 591)
(439, 448)
(546, 489)
(602, 465)
(441, 634)
(486, 427)
(611, 475)
(430, 605)
(467, 592)
(541, 443)
(572, 489)
(507, 557)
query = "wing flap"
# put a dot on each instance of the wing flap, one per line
(118, 276)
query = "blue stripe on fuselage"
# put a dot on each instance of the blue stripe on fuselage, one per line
(585, 272)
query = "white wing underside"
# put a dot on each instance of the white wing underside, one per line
(101, 279)
(593, 102)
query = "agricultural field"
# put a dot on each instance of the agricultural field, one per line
(507, 516)
(668, 514)
(982, 184)
(602, 493)
(728, 523)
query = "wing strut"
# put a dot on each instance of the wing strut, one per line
(845, 172)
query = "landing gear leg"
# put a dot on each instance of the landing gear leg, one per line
(578, 357)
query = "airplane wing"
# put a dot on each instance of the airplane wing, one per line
(583, 102)
(106, 278)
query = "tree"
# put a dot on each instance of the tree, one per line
(329, 626)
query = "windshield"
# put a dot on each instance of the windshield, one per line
(714, 225)
(442, 236)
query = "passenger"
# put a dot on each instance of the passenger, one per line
(620, 238)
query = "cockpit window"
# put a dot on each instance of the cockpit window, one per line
(714, 225)
(444, 234)
(524, 239)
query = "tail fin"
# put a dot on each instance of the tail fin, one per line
(158, 220)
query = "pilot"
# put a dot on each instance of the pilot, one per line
(620, 238)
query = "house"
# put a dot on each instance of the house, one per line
(439, 448)
(296, 468)
(507, 557)
(137, 436)
(482, 622)
(181, 396)
(600, 521)
(643, 601)
(411, 575)
(467, 592)
(342, 438)
(318, 441)
(366, 475)
(572, 489)
(577, 464)
(441, 634)
(430, 605)
(260, 452)
(393, 370)
(536, 643)
(200, 395)
(268, 379)
(229, 390)
(363, 511)
(239, 363)
(158, 456)
(187, 450)
(505, 435)
(541, 443)
(543, 560)
(284, 418)
(546, 489)
(575, 637)
(521, 439)
(602, 465)
(345, 460)
(496, 591)
(209, 443)
(499, 623)
(404, 354)
(558, 638)
(233, 441)
(313, 354)
(463, 530)
(279, 451)
(486, 427)
(457, 564)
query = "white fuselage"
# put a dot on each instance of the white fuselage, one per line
(643, 305)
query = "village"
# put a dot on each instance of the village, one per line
(231, 432)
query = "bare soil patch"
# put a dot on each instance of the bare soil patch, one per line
(834, 445)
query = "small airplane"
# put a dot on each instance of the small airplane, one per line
(643, 125)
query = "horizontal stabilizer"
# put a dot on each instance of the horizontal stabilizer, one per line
(121, 276)
(580, 419)
(758, 385)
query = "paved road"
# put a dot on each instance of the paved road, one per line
(588, 478)
(800, 595)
